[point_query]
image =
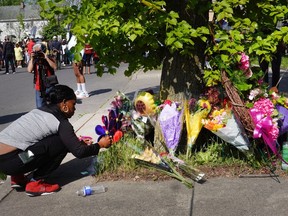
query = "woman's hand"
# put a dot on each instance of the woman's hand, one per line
(87, 139)
(105, 141)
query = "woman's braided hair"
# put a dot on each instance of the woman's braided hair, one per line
(59, 93)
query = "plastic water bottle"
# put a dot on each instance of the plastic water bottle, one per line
(88, 190)
(285, 155)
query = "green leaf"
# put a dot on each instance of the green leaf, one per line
(132, 37)
(178, 44)
(224, 58)
(172, 21)
(170, 41)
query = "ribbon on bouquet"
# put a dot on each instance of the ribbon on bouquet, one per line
(263, 128)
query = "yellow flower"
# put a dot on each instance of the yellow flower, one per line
(144, 103)
(204, 104)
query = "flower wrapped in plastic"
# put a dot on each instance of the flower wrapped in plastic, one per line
(144, 103)
(283, 120)
(264, 115)
(124, 105)
(141, 125)
(151, 159)
(223, 123)
(281, 104)
(195, 111)
(171, 121)
(143, 117)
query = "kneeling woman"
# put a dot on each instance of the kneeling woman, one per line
(39, 140)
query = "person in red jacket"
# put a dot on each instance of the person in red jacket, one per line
(29, 47)
(42, 66)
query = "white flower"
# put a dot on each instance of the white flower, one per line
(254, 93)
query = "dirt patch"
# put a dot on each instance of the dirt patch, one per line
(144, 174)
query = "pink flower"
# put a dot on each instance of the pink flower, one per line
(265, 105)
(260, 81)
(244, 62)
(275, 131)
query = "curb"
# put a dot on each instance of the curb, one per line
(5, 189)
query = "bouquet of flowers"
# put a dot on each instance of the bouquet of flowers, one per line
(195, 111)
(265, 117)
(171, 121)
(281, 103)
(143, 116)
(141, 125)
(223, 123)
(151, 159)
(283, 121)
(123, 105)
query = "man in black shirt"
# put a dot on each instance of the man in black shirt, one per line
(8, 53)
(56, 48)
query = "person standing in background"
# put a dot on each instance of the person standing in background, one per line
(18, 55)
(42, 66)
(9, 55)
(275, 62)
(87, 57)
(1, 56)
(64, 53)
(56, 48)
(29, 46)
(81, 91)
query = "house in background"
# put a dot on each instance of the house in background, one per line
(20, 21)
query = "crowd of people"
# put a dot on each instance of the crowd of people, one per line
(17, 54)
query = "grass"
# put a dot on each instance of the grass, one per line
(215, 154)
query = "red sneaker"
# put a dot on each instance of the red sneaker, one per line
(39, 188)
(18, 181)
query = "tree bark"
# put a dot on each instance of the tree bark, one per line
(183, 73)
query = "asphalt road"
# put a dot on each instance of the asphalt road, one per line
(17, 95)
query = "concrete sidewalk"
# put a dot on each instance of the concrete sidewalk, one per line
(218, 196)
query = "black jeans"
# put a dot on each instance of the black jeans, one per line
(9, 59)
(48, 155)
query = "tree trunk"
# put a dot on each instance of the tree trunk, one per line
(182, 74)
